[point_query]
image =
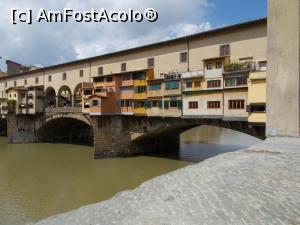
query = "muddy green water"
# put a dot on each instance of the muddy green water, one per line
(40, 180)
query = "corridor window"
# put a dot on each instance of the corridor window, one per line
(213, 104)
(224, 50)
(64, 76)
(183, 57)
(15, 83)
(150, 62)
(25, 82)
(123, 67)
(49, 78)
(80, 73)
(213, 83)
(193, 105)
(36, 80)
(236, 104)
(100, 70)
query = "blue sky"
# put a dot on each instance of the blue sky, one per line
(234, 11)
(48, 44)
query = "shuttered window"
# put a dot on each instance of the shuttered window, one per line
(183, 57)
(213, 104)
(193, 105)
(172, 85)
(100, 70)
(224, 50)
(236, 104)
(150, 62)
(213, 83)
(123, 67)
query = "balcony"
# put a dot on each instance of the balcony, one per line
(140, 95)
(193, 74)
(101, 92)
(140, 111)
(155, 93)
(213, 73)
(236, 82)
(240, 67)
(139, 83)
(127, 94)
(126, 83)
(172, 76)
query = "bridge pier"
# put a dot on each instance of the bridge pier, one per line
(3, 127)
(22, 128)
(118, 136)
(283, 81)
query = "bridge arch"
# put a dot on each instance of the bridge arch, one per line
(64, 96)
(50, 97)
(164, 134)
(67, 128)
(77, 95)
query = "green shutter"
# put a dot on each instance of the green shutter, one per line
(179, 104)
(160, 105)
(166, 104)
(147, 104)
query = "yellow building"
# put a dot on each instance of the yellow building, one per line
(257, 97)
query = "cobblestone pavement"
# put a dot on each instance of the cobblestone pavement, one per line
(260, 185)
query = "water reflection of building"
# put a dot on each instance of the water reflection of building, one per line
(218, 135)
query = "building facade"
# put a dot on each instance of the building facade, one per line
(215, 74)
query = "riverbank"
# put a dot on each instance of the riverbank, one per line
(260, 185)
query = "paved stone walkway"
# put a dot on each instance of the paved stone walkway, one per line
(260, 185)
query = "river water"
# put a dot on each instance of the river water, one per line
(40, 180)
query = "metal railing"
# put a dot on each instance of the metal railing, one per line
(64, 110)
(240, 67)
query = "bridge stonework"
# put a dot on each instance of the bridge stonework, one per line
(131, 135)
(114, 135)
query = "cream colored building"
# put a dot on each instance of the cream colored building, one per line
(207, 52)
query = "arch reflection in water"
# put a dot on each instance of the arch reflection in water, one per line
(204, 142)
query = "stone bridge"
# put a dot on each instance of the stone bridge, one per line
(113, 135)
